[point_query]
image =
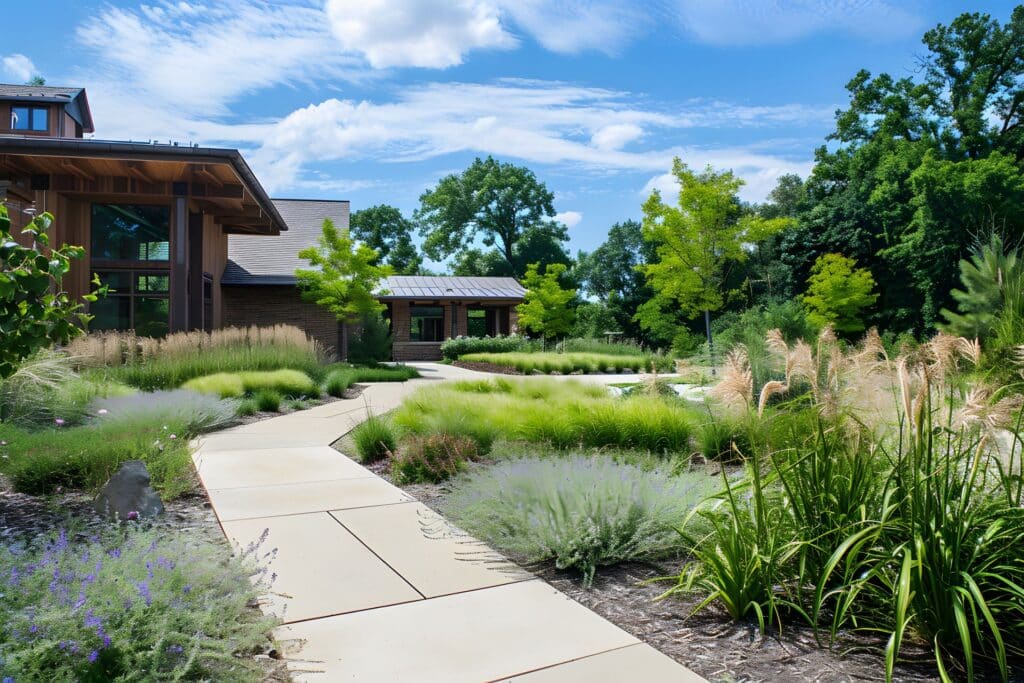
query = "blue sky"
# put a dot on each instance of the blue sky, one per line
(375, 100)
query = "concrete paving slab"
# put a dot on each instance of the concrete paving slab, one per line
(291, 499)
(634, 663)
(270, 466)
(482, 635)
(428, 551)
(241, 441)
(321, 568)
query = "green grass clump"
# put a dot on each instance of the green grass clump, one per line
(232, 385)
(286, 382)
(129, 604)
(374, 439)
(267, 400)
(339, 380)
(432, 458)
(581, 512)
(223, 384)
(247, 407)
(85, 457)
(725, 439)
(568, 363)
(452, 349)
(562, 413)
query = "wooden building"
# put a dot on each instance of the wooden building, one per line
(186, 238)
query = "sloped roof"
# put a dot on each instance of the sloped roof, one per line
(74, 99)
(449, 287)
(259, 260)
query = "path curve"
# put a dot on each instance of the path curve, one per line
(374, 586)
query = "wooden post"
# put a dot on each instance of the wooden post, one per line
(195, 271)
(179, 265)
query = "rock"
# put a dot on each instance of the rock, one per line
(128, 495)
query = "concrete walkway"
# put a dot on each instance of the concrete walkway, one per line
(374, 586)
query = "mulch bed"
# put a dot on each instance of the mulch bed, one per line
(493, 368)
(710, 643)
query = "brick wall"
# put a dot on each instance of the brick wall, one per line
(279, 305)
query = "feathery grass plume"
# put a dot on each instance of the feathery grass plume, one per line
(736, 388)
(767, 391)
(800, 365)
(980, 410)
(776, 342)
(970, 349)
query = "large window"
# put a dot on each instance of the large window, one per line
(130, 233)
(130, 248)
(476, 323)
(29, 118)
(427, 323)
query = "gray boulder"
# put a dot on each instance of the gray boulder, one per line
(128, 495)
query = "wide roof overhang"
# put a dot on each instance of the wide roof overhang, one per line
(216, 180)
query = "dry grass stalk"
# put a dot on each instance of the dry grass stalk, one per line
(737, 385)
(979, 410)
(770, 389)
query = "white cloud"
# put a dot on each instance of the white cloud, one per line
(616, 136)
(760, 172)
(18, 67)
(570, 218)
(424, 33)
(751, 22)
(197, 58)
(575, 25)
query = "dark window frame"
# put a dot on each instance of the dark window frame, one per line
(31, 114)
(433, 328)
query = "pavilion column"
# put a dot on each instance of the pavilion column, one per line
(179, 265)
(195, 271)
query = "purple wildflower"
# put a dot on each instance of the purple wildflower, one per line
(59, 422)
(116, 552)
(93, 656)
(132, 515)
(143, 587)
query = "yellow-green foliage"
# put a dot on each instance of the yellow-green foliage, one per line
(562, 413)
(235, 384)
(566, 363)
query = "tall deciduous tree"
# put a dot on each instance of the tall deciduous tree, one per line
(35, 311)
(386, 230)
(343, 277)
(611, 274)
(838, 293)
(697, 242)
(545, 309)
(502, 204)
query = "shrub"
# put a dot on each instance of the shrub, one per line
(126, 605)
(725, 439)
(372, 343)
(86, 457)
(580, 512)
(195, 411)
(451, 349)
(600, 346)
(268, 401)
(170, 362)
(432, 459)
(374, 439)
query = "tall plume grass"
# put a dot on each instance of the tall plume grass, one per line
(169, 362)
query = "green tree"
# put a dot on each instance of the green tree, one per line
(697, 243)
(904, 188)
(611, 274)
(838, 293)
(502, 204)
(991, 279)
(343, 276)
(35, 312)
(386, 230)
(545, 309)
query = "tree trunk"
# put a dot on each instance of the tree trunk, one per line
(711, 345)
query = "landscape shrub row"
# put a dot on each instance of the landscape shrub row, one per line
(237, 384)
(569, 363)
(452, 348)
(340, 379)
